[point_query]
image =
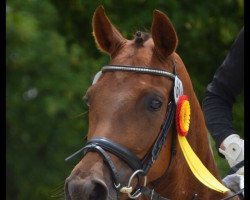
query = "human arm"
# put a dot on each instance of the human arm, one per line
(221, 93)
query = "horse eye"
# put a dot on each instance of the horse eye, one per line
(155, 104)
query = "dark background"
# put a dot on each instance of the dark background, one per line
(51, 59)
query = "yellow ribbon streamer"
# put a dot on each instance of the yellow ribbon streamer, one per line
(198, 169)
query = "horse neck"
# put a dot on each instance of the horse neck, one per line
(197, 135)
(180, 183)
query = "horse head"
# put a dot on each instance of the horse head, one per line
(131, 102)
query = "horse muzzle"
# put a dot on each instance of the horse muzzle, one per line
(85, 189)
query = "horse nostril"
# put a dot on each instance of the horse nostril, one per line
(99, 191)
(82, 189)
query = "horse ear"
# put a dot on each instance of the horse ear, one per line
(106, 36)
(163, 34)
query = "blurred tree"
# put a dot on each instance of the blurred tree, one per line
(45, 83)
(51, 59)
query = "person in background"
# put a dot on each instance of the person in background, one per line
(220, 95)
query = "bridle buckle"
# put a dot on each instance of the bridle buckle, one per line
(128, 189)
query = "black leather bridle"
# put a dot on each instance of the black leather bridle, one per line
(140, 167)
(103, 145)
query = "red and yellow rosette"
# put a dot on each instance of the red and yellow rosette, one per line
(182, 119)
(182, 116)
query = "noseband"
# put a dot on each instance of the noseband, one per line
(140, 167)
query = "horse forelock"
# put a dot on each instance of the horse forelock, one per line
(140, 37)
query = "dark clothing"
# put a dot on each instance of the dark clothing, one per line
(220, 95)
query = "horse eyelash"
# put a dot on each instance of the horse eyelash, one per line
(86, 100)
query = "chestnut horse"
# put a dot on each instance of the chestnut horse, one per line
(131, 149)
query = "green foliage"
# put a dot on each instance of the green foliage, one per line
(51, 58)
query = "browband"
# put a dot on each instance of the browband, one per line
(178, 88)
(139, 69)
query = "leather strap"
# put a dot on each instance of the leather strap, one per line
(107, 160)
(236, 167)
(120, 151)
(139, 69)
(239, 194)
(153, 153)
(151, 194)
